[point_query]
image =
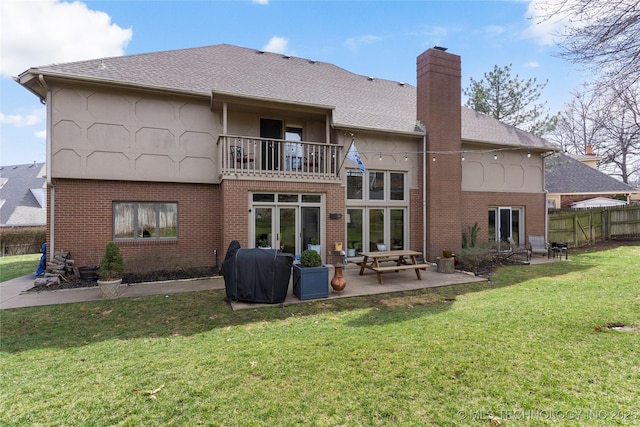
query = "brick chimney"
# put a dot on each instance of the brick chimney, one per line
(439, 109)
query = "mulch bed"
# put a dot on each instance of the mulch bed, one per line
(131, 278)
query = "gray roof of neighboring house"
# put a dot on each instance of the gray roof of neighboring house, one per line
(566, 175)
(357, 101)
(23, 195)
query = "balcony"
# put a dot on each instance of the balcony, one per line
(243, 157)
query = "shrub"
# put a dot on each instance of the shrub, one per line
(473, 235)
(22, 240)
(112, 264)
(310, 258)
(477, 258)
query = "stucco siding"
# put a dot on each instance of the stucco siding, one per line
(132, 136)
(511, 171)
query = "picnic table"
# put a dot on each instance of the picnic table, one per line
(402, 259)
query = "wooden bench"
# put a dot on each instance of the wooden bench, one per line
(381, 269)
(400, 267)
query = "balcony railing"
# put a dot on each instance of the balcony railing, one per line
(249, 157)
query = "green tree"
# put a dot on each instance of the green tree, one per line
(511, 100)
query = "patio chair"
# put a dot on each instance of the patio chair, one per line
(537, 245)
(517, 250)
(238, 155)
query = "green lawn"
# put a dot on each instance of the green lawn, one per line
(18, 265)
(532, 346)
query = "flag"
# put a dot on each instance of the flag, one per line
(355, 157)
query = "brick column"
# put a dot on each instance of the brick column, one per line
(439, 109)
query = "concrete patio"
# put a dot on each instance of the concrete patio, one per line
(13, 292)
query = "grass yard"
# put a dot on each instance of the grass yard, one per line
(18, 266)
(534, 347)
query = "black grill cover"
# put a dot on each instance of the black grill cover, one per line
(256, 275)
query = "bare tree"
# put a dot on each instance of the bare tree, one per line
(581, 123)
(511, 100)
(621, 154)
(608, 120)
(603, 35)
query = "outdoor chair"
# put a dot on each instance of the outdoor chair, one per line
(238, 155)
(537, 245)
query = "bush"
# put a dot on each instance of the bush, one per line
(310, 258)
(478, 258)
(22, 240)
(112, 264)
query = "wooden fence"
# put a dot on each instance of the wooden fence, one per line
(581, 227)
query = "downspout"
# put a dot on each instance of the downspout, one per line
(546, 195)
(424, 197)
(52, 192)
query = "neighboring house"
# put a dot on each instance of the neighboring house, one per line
(175, 154)
(573, 182)
(23, 197)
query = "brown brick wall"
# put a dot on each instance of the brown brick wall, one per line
(438, 108)
(476, 205)
(235, 196)
(83, 222)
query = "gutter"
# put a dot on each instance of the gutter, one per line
(52, 216)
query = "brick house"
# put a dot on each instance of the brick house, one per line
(174, 154)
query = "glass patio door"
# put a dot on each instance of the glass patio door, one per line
(263, 222)
(287, 226)
(504, 215)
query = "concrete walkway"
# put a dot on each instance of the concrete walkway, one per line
(13, 292)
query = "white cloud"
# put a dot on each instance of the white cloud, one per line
(353, 43)
(260, 1)
(23, 120)
(276, 45)
(532, 64)
(544, 28)
(41, 134)
(43, 32)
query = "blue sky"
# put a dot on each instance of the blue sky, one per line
(375, 38)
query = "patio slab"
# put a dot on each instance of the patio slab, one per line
(13, 292)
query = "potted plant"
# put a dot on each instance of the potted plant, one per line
(310, 276)
(313, 245)
(110, 271)
(351, 249)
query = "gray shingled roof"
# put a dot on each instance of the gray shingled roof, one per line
(479, 127)
(358, 101)
(22, 194)
(566, 175)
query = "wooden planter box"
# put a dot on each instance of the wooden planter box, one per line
(310, 282)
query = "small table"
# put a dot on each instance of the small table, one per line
(404, 260)
(558, 248)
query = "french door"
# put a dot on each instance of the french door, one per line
(287, 228)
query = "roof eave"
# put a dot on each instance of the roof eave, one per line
(351, 128)
(35, 73)
(545, 149)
